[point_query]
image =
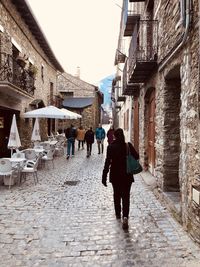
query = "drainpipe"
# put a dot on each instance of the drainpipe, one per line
(171, 54)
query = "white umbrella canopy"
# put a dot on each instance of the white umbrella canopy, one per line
(14, 140)
(50, 112)
(36, 132)
(71, 115)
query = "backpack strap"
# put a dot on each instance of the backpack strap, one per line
(127, 149)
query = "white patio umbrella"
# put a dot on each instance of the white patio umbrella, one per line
(36, 132)
(71, 115)
(14, 140)
(50, 112)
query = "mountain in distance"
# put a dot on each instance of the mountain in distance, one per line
(105, 87)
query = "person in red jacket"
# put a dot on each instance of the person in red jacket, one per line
(110, 134)
(121, 181)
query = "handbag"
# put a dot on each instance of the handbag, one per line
(133, 166)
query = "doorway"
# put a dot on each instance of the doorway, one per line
(6, 116)
(172, 104)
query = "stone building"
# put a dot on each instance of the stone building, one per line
(82, 98)
(156, 98)
(28, 71)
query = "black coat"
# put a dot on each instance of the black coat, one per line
(89, 137)
(116, 163)
(71, 132)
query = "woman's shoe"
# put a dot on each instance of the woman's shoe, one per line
(125, 223)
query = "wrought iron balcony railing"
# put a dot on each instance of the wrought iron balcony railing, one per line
(12, 72)
(143, 50)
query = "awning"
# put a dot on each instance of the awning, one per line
(78, 102)
(38, 103)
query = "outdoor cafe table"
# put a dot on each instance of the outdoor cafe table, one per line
(39, 150)
(53, 142)
(16, 160)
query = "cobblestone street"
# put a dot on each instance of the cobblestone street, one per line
(68, 219)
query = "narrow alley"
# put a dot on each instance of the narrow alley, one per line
(67, 219)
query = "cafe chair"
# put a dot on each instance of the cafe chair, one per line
(30, 167)
(18, 155)
(8, 172)
(59, 148)
(49, 157)
(30, 154)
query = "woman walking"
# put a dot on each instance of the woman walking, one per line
(89, 139)
(80, 137)
(110, 134)
(121, 181)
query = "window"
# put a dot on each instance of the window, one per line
(42, 73)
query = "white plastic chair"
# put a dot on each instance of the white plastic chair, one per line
(7, 171)
(59, 147)
(30, 154)
(49, 156)
(46, 146)
(31, 167)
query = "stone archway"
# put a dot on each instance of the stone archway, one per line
(172, 104)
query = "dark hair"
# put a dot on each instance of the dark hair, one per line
(119, 135)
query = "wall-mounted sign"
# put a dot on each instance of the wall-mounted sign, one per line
(196, 195)
(1, 122)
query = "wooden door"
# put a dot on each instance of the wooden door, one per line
(5, 124)
(151, 131)
(136, 125)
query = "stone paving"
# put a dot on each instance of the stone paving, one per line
(67, 219)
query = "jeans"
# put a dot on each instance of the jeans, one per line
(100, 145)
(70, 144)
(80, 143)
(121, 193)
(89, 149)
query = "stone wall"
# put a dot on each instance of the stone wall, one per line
(177, 110)
(187, 59)
(14, 27)
(68, 83)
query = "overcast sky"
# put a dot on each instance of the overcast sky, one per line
(81, 33)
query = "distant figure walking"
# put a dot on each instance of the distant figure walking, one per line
(89, 139)
(70, 134)
(110, 134)
(100, 136)
(80, 137)
(121, 181)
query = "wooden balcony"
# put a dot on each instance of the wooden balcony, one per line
(121, 98)
(119, 57)
(142, 58)
(130, 89)
(15, 80)
(131, 21)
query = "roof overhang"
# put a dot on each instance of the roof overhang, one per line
(27, 15)
(78, 102)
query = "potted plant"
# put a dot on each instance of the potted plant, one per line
(32, 70)
(21, 61)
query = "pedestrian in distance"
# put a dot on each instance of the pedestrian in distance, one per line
(110, 134)
(70, 134)
(100, 136)
(80, 137)
(89, 139)
(115, 162)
